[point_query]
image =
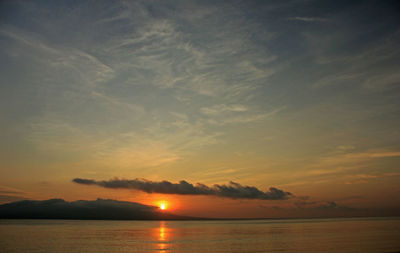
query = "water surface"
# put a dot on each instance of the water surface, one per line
(308, 235)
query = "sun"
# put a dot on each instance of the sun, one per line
(163, 205)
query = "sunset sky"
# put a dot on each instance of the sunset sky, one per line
(300, 96)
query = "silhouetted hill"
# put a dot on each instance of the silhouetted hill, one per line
(100, 209)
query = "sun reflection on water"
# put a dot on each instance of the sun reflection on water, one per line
(162, 232)
(163, 237)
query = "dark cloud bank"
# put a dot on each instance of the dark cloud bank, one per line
(232, 190)
(100, 209)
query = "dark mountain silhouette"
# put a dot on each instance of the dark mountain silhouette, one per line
(100, 209)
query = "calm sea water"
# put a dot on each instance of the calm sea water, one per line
(309, 235)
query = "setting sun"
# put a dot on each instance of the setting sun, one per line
(163, 205)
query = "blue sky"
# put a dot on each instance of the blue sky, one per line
(289, 94)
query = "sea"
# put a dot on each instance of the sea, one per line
(205, 236)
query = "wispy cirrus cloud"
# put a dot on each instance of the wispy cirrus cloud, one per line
(367, 178)
(143, 85)
(222, 108)
(113, 82)
(308, 19)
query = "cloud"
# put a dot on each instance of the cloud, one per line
(8, 194)
(321, 205)
(308, 19)
(82, 209)
(220, 118)
(222, 108)
(232, 190)
(8, 198)
(373, 154)
(9, 190)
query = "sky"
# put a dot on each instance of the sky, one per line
(219, 108)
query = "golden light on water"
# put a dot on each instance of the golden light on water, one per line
(162, 231)
(163, 236)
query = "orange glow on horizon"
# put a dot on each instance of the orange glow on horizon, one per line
(171, 202)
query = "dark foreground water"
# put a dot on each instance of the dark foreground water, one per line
(311, 235)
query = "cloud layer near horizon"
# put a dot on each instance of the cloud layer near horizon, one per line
(232, 190)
